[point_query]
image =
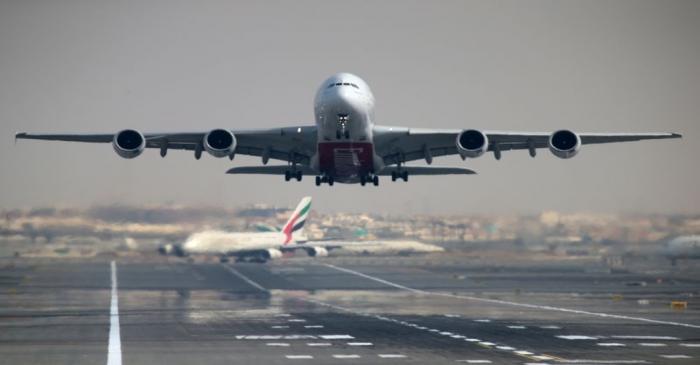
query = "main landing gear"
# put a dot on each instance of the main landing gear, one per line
(374, 179)
(395, 175)
(288, 175)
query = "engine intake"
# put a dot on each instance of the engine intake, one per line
(272, 253)
(564, 143)
(317, 252)
(129, 143)
(472, 143)
(220, 143)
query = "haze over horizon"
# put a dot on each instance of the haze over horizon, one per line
(622, 66)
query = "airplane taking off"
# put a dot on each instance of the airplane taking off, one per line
(345, 145)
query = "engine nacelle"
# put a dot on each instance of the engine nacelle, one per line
(129, 143)
(219, 143)
(273, 253)
(472, 143)
(318, 252)
(564, 143)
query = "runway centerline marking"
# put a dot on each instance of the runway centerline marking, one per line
(516, 304)
(114, 350)
(244, 278)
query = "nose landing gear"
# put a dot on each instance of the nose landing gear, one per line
(324, 179)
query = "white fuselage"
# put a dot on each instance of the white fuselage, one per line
(219, 242)
(344, 113)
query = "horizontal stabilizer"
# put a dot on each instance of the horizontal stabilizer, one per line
(270, 170)
(420, 170)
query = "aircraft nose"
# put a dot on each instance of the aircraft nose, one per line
(346, 101)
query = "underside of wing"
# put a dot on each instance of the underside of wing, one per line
(426, 170)
(290, 144)
(399, 145)
(270, 170)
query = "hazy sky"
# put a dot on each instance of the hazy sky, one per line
(99, 66)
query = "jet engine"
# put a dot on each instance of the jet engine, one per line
(272, 254)
(219, 143)
(564, 143)
(317, 252)
(129, 143)
(472, 143)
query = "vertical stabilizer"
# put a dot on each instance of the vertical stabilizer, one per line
(295, 225)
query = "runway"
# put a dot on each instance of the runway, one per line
(342, 311)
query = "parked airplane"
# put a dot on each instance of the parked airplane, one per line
(345, 145)
(683, 247)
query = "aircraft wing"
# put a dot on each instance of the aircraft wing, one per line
(422, 170)
(269, 170)
(400, 144)
(275, 143)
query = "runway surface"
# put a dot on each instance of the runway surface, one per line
(342, 311)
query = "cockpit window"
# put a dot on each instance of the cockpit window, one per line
(343, 84)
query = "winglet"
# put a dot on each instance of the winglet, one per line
(19, 135)
(676, 135)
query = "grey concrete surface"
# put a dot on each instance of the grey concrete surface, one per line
(346, 310)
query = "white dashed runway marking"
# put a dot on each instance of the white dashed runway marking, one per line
(278, 327)
(360, 344)
(690, 344)
(662, 338)
(279, 344)
(611, 344)
(318, 344)
(517, 327)
(676, 356)
(314, 326)
(391, 356)
(342, 356)
(576, 337)
(299, 357)
(652, 344)
(336, 337)
(475, 361)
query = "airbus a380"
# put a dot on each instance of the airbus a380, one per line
(345, 145)
(252, 246)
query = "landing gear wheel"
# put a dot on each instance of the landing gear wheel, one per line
(330, 181)
(363, 180)
(318, 181)
(375, 180)
(347, 134)
(287, 175)
(404, 175)
(337, 135)
(393, 176)
(298, 176)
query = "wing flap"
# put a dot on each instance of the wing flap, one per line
(428, 170)
(269, 170)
